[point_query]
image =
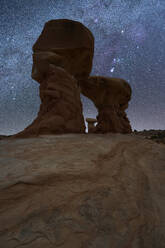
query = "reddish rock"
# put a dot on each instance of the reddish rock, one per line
(91, 122)
(62, 61)
(110, 96)
(61, 107)
(62, 53)
(65, 43)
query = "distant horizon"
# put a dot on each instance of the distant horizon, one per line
(86, 130)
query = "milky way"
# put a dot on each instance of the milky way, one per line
(129, 43)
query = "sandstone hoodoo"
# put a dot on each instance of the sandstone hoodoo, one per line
(61, 108)
(62, 54)
(91, 122)
(62, 62)
(111, 97)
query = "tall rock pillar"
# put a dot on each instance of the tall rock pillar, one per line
(62, 55)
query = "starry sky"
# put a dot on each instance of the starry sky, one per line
(129, 44)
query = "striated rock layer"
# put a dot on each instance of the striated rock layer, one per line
(82, 191)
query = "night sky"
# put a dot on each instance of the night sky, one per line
(129, 44)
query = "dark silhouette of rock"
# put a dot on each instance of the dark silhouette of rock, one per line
(62, 62)
(91, 122)
(111, 97)
(62, 54)
(65, 43)
(154, 135)
(3, 136)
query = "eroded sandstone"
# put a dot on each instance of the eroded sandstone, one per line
(111, 97)
(62, 62)
(61, 107)
(62, 54)
(65, 43)
(82, 191)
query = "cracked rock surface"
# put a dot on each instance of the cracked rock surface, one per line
(82, 191)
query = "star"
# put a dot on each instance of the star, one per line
(129, 39)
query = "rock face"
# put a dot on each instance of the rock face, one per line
(62, 54)
(51, 195)
(111, 97)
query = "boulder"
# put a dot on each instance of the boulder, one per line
(91, 122)
(82, 191)
(65, 43)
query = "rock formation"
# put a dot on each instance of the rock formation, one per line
(62, 62)
(82, 191)
(61, 55)
(61, 108)
(64, 43)
(91, 122)
(111, 97)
